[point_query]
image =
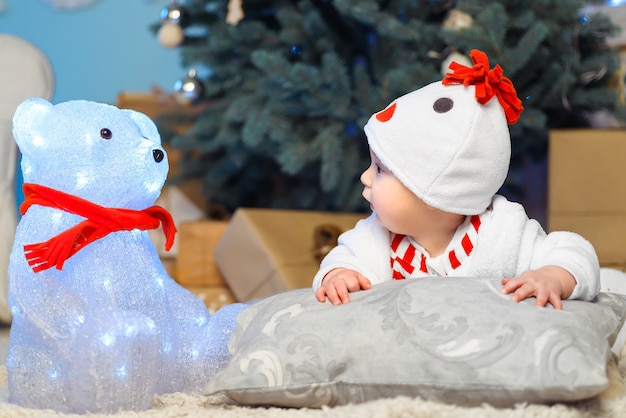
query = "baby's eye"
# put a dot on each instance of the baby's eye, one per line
(379, 169)
(106, 133)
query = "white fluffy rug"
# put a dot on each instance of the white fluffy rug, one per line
(610, 404)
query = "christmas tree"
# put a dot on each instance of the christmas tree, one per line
(290, 85)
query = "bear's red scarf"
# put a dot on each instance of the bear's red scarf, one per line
(100, 222)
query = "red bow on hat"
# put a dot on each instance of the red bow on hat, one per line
(488, 83)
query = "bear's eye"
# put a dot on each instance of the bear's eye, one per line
(106, 133)
(443, 105)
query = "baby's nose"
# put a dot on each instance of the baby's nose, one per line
(365, 178)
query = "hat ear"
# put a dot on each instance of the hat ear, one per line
(28, 122)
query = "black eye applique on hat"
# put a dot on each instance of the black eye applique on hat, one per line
(443, 105)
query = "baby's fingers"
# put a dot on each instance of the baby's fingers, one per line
(337, 293)
(556, 301)
(522, 292)
(341, 289)
(544, 297)
(320, 294)
(511, 285)
(363, 282)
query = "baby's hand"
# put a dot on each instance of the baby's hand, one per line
(547, 284)
(338, 282)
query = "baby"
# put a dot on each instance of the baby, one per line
(439, 156)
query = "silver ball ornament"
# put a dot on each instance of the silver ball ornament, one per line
(189, 90)
(174, 13)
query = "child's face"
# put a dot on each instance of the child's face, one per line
(396, 207)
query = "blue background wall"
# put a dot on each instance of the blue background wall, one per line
(98, 51)
(95, 52)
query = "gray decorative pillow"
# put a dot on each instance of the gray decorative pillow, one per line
(457, 340)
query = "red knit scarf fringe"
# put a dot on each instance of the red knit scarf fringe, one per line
(100, 222)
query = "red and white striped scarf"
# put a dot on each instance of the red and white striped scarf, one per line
(406, 256)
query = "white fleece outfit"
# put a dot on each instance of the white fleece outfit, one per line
(449, 144)
(506, 244)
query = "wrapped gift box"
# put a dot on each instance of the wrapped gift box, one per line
(182, 210)
(267, 251)
(214, 297)
(587, 189)
(195, 264)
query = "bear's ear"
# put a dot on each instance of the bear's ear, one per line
(146, 125)
(27, 121)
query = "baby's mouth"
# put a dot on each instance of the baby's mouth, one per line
(366, 199)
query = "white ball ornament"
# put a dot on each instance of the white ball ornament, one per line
(455, 56)
(457, 20)
(170, 35)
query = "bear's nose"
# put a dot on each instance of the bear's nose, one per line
(158, 155)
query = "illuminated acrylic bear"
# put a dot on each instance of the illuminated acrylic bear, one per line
(98, 325)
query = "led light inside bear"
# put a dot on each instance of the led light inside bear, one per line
(98, 325)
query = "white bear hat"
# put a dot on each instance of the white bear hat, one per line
(449, 142)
